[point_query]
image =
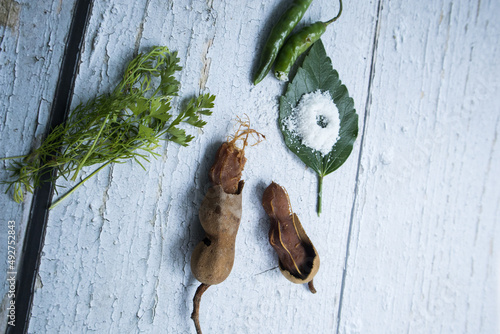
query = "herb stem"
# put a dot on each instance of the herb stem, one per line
(78, 185)
(16, 157)
(320, 192)
(91, 150)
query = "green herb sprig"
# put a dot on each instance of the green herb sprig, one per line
(128, 123)
(317, 73)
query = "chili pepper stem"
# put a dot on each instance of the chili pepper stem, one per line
(196, 306)
(320, 192)
(336, 17)
(56, 203)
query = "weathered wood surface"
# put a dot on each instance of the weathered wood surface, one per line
(32, 42)
(408, 237)
(425, 239)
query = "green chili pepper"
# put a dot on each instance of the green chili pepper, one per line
(298, 44)
(279, 33)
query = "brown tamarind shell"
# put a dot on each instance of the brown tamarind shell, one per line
(220, 214)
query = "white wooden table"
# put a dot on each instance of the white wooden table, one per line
(409, 238)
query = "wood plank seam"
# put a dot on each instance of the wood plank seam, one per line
(362, 137)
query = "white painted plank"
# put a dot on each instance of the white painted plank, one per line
(117, 254)
(72, 284)
(424, 253)
(32, 41)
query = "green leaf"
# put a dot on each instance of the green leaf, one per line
(317, 73)
(198, 105)
(160, 108)
(169, 85)
(138, 106)
(179, 136)
(145, 131)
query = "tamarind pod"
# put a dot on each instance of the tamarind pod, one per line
(298, 259)
(220, 215)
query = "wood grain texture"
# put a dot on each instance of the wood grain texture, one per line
(407, 238)
(29, 68)
(424, 250)
(139, 228)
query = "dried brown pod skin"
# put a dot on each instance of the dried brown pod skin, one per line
(220, 214)
(298, 259)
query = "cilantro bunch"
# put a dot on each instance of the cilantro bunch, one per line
(128, 123)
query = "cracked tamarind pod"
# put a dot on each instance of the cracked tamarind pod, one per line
(220, 214)
(298, 259)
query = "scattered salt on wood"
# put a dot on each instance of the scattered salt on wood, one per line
(315, 121)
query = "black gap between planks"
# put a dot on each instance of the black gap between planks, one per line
(42, 197)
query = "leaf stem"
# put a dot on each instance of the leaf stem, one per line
(320, 192)
(56, 203)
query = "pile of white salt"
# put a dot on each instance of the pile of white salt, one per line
(315, 121)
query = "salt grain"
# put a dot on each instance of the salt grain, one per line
(315, 121)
